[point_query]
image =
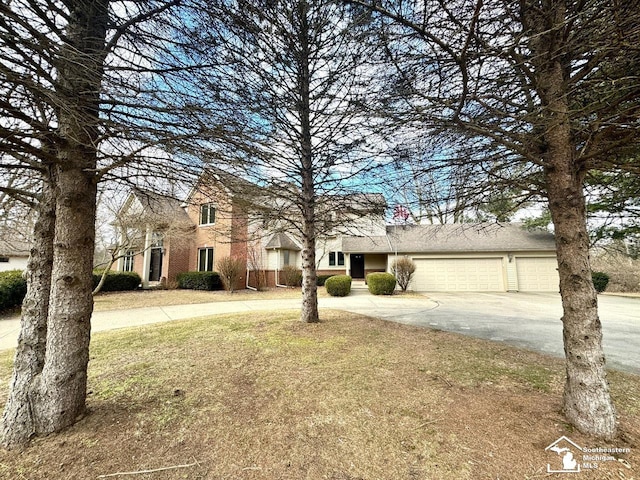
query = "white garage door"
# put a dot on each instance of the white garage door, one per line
(459, 275)
(537, 274)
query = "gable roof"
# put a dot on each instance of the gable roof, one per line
(14, 248)
(282, 241)
(463, 237)
(157, 209)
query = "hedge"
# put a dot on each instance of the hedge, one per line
(199, 281)
(600, 281)
(381, 283)
(338, 285)
(117, 281)
(320, 279)
(13, 288)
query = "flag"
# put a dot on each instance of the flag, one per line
(400, 212)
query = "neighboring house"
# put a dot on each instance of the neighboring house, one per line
(224, 216)
(14, 254)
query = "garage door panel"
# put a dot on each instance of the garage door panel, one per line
(459, 275)
(537, 274)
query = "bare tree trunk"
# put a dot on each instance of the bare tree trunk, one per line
(57, 395)
(309, 276)
(587, 402)
(18, 422)
(60, 399)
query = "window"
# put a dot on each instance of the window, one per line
(157, 240)
(127, 261)
(207, 214)
(205, 259)
(4, 259)
(336, 258)
(286, 257)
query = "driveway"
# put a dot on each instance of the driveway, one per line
(531, 321)
(526, 320)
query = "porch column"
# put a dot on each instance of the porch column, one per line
(347, 263)
(120, 246)
(146, 259)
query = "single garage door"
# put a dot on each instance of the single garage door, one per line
(459, 275)
(537, 274)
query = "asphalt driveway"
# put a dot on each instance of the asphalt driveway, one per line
(526, 320)
(532, 321)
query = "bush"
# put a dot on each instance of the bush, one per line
(381, 283)
(320, 279)
(338, 285)
(117, 281)
(199, 281)
(291, 276)
(403, 269)
(230, 270)
(600, 281)
(13, 288)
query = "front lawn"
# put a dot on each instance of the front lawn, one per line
(160, 298)
(267, 397)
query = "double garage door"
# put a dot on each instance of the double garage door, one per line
(534, 274)
(459, 275)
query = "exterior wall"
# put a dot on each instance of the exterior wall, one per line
(14, 263)
(176, 258)
(227, 236)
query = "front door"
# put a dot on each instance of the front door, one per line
(357, 265)
(155, 269)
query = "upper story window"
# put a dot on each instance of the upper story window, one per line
(336, 258)
(207, 214)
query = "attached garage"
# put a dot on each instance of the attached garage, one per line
(478, 257)
(537, 274)
(459, 275)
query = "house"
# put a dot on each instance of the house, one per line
(224, 216)
(14, 253)
(154, 237)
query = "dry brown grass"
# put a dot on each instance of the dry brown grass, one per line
(267, 397)
(623, 271)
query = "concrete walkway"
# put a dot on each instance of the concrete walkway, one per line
(360, 301)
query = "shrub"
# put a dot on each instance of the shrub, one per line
(199, 281)
(403, 269)
(230, 270)
(323, 278)
(338, 285)
(117, 281)
(13, 288)
(381, 283)
(600, 281)
(291, 276)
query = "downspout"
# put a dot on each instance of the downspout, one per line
(278, 271)
(249, 287)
